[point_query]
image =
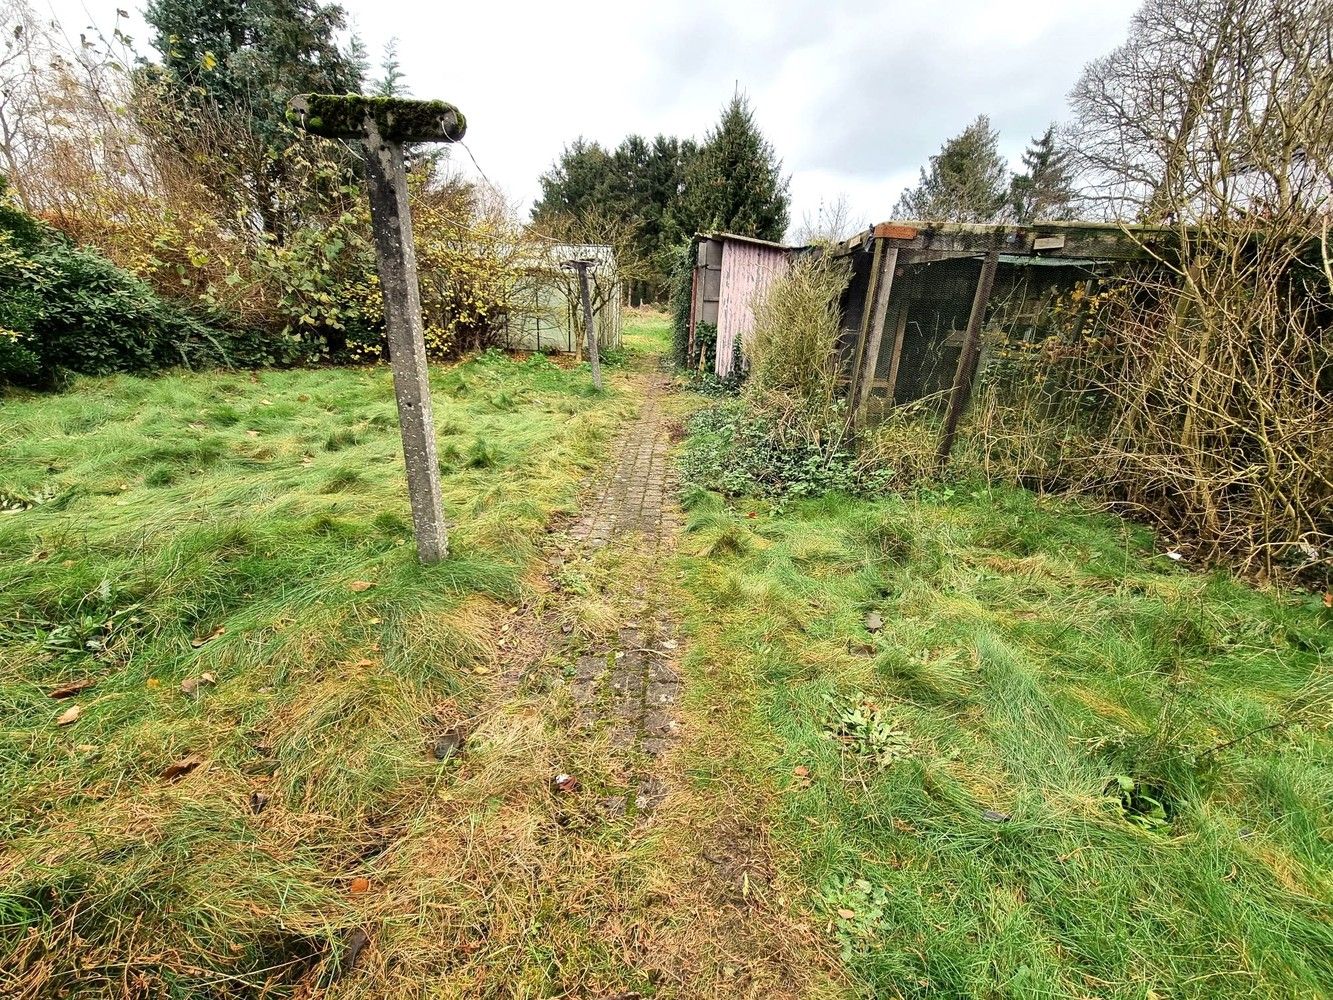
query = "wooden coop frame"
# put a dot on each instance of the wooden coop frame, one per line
(889, 257)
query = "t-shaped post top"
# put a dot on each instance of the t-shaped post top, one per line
(396, 119)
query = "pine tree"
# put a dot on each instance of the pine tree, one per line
(968, 180)
(735, 182)
(1045, 189)
(393, 81)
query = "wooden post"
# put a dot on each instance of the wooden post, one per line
(589, 331)
(899, 332)
(867, 306)
(967, 357)
(883, 289)
(383, 125)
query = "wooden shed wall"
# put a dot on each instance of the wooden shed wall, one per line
(747, 271)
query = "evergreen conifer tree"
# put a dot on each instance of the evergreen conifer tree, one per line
(735, 182)
(967, 181)
(1044, 190)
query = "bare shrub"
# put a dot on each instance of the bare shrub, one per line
(1197, 391)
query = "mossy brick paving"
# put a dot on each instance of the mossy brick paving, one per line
(627, 682)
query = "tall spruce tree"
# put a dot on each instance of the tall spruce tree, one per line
(227, 69)
(735, 183)
(392, 81)
(968, 180)
(1045, 188)
(637, 183)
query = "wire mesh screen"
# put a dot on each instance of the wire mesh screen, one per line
(917, 350)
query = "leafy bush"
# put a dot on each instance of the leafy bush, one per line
(740, 449)
(64, 308)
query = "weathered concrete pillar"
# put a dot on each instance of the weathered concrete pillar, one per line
(588, 329)
(383, 125)
(391, 223)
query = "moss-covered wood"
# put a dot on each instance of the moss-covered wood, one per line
(342, 116)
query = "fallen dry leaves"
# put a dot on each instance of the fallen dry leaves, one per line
(179, 769)
(199, 640)
(70, 715)
(72, 688)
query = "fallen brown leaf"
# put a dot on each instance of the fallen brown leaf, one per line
(191, 686)
(565, 783)
(198, 641)
(72, 688)
(182, 767)
(70, 715)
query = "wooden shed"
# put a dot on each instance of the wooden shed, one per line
(921, 293)
(730, 274)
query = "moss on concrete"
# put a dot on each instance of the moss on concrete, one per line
(338, 116)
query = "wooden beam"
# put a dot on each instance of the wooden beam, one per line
(893, 231)
(883, 289)
(864, 326)
(967, 357)
(1052, 240)
(899, 331)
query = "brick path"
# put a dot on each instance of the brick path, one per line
(633, 501)
(627, 682)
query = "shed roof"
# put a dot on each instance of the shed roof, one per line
(1096, 241)
(754, 240)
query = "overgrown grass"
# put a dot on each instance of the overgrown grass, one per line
(949, 694)
(247, 535)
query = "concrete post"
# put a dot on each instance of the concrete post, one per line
(383, 125)
(391, 223)
(589, 331)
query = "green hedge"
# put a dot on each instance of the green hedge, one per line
(65, 309)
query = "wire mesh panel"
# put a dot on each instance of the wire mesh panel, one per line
(930, 300)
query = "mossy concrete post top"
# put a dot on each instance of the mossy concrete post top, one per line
(397, 119)
(383, 124)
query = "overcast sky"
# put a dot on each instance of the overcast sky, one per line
(853, 94)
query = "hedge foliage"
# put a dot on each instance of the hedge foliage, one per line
(65, 309)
